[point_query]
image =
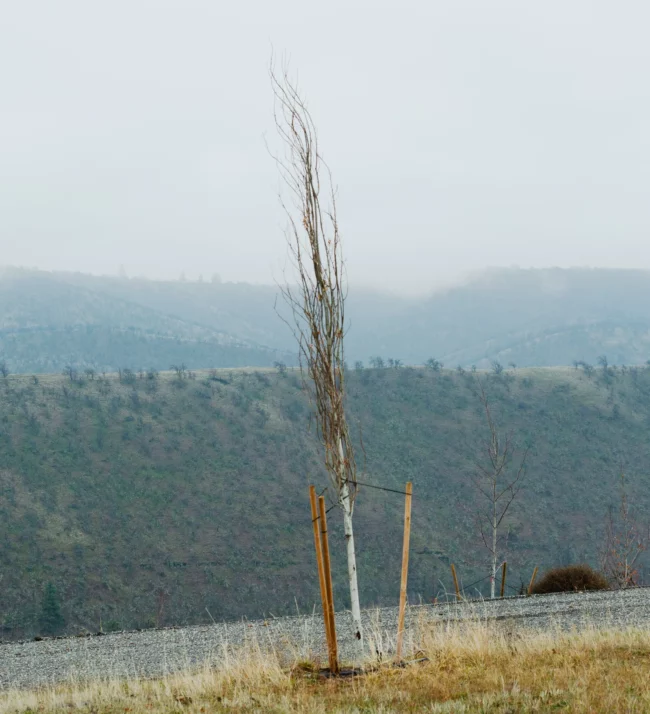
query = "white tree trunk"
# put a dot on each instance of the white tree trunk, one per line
(493, 576)
(348, 507)
(352, 562)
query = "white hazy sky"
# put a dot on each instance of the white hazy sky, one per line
(461, 133)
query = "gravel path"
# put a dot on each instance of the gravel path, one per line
(158, 652)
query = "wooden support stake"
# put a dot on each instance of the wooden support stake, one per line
(532, 580)
(504, 570)
(405, 569)
(453, 572)
(334, 657)
(313, 499)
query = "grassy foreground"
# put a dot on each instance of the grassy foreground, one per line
(471, 668)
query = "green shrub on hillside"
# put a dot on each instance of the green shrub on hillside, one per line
(51, 620)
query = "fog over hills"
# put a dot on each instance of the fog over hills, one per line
(537, 317)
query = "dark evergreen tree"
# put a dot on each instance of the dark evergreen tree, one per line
(51, 621)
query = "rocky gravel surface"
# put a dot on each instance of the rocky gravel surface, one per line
(151, 653)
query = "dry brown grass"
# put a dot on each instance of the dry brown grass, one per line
(472, 668)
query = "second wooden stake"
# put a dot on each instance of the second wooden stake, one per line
(334, 657)
(405, 569)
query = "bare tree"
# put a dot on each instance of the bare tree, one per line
(4, 369)
(625, 541)
(180, 369)
(71, 372)
(281, 367)
(497, 367)
(318, 302)
(497, 479)
(127, 376)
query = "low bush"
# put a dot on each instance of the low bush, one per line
(570, 579)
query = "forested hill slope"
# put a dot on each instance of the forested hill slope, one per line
(148, 500)
(547, 317)
(48, 322)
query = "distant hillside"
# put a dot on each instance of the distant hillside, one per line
(149, 499)
(48, 322)
(527, 317)
(530, 317)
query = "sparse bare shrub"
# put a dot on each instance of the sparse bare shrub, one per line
(433, 364)
(70, 371)
(180, 369)
(127, 376)
(608, 370)
(587, 368)
(572, 578)
(497, 367)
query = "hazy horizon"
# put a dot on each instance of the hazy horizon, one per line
(405, 293)
(460, 136)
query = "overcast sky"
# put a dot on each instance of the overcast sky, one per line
(461, 134)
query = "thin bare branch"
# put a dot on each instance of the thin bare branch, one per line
(625, 541)
(495, 483)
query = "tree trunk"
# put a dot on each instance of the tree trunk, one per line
(352, 557)
(493, 576)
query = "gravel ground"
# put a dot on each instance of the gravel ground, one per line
(156, 652)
